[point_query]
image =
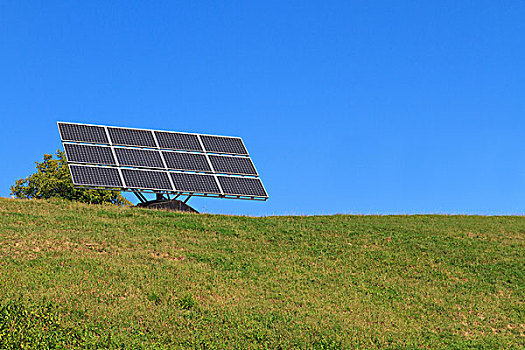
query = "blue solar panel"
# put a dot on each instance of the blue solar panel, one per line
(178, 141)
(186, 161)
(242, 186)
(201, 183)
(223, 144)
(95, 176)
(138, 157)
(78, 153)
(82, 133)
(232, 165)
(146, 179)
(132, 137)
(177, 162)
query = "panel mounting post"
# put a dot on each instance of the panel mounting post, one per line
(140, 196)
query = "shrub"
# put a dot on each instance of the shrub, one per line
(53, 180)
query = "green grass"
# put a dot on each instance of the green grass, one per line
(86, 276)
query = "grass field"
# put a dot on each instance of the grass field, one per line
(85, 276)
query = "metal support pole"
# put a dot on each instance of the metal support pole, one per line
(140, 196)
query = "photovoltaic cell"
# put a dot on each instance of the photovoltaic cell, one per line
(186, 161)
(178, 141)
(168, 150)
(146, 179)
(201, 183)
(89, 154)
(232, 165)
(82, 133)
(132, 137)
(95, 176)
(222, 144)
(242, 186)
(139, 157)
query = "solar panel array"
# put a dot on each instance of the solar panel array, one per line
(160, 161)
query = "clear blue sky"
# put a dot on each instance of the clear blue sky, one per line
(345, 106)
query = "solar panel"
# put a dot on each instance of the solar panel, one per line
(176, 162)
(223, 144)
(95, 176)
(178, 141)
(77, 153)
(232, 165)
(82, 133)
(138, 157)
(186, 161)
(185, 182)
(242, 186)
(146, 179)
(132, 137)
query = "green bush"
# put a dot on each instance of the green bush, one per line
(53, 180)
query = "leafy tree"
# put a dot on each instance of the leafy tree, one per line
(53, 180)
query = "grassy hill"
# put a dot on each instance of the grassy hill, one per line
(85, 276)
